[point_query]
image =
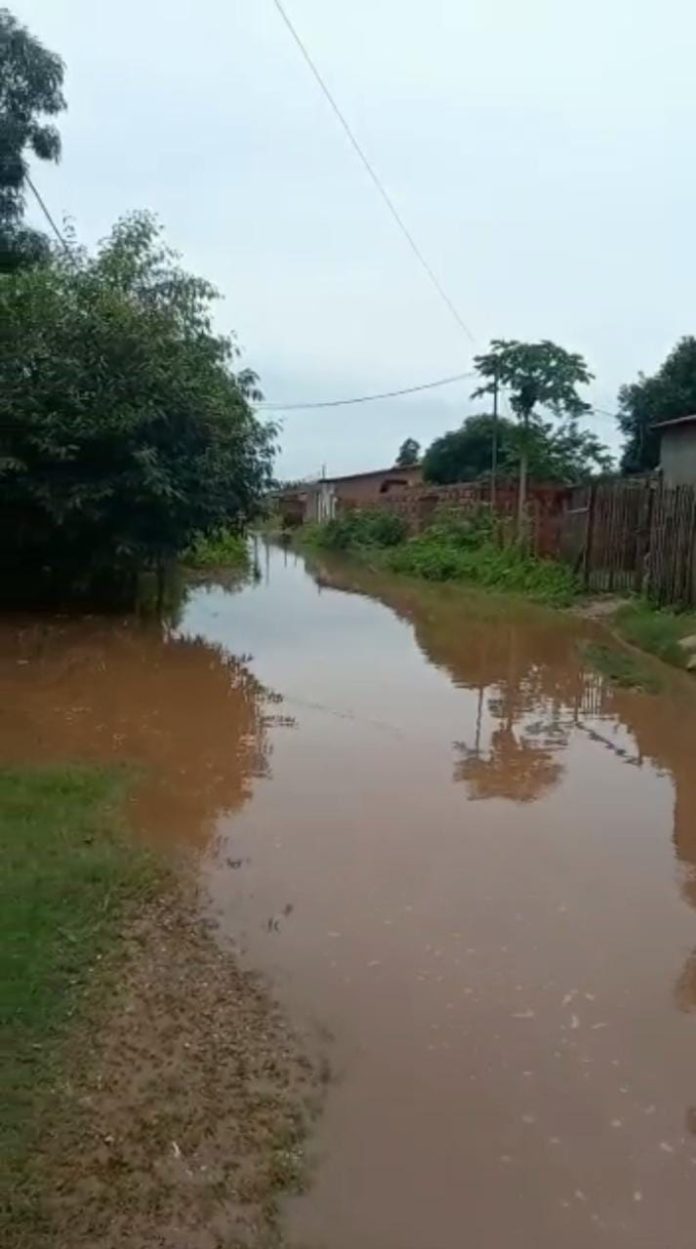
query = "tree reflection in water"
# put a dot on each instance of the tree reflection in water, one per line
(533, 692)
(191, 718)
(513, 768)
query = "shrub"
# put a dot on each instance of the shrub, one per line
(503, 568)
(458, 545)
(124, 429)
(360, 529)
(471, 528)
(221, 549)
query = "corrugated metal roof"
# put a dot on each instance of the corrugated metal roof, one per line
(680, 420)
(375, 472)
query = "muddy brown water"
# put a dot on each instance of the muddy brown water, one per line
(458, 854)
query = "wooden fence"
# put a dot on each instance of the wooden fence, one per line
(622, 535)
(633, 535)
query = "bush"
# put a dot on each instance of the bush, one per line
(360, 529)
(466, 546)
(221, 549)
(505, 568)
(471, 528)
(124, 430)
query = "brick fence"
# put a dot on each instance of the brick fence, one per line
(545, 507)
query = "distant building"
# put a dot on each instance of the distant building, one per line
(323, 499)
(678, 451)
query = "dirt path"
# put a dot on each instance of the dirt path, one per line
(185, 1104)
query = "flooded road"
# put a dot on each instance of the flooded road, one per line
(461, 857)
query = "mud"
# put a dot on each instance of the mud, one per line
(184, 1104)
(456, 853)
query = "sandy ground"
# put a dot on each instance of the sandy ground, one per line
(191, 1100)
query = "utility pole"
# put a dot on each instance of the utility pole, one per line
(494, 447)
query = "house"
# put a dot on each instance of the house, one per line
(323, 499)
(678, 451)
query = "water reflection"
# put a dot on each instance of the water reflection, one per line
(192, 717)
(513, 767)
(533, 693)
(510, 983)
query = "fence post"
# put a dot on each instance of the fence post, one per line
(689, 570)
(589, 534)
(644, 540)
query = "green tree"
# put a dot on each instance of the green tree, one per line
(409, 453)
(465, 453)
(536, 375)
(31, 80)
(124, 429)
(562, 454)
(667, 395)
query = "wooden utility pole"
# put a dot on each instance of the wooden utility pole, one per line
(494, 447)
(522, 494)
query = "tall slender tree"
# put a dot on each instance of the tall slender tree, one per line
(536, 375)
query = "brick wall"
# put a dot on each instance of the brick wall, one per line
(418, 506)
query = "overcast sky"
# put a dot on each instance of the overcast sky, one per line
(541, 153)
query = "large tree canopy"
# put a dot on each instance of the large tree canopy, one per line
(31, 80)
(466, 453)
(537, 375)
(563, 453)
(668, 394)
(124, 429)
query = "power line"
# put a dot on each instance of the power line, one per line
(375, 177)
(395, 394)
(385, 394)
(48, 216)
(612, 416)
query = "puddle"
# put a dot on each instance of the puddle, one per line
(458, 853)
(193, 719)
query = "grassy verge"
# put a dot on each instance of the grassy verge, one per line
(656, 630)
(68, 874)
(622, 668)
(148, 1082)
(454, 548)
(222, 549)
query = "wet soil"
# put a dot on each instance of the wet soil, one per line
(456, 853)
(184, 1102)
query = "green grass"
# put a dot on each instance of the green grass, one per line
(655, 630)
(356, 531)
(507, 569)
(222, 549)
(68, 874)
(621, 667)
(456, 547)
